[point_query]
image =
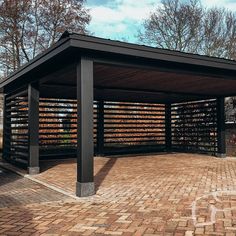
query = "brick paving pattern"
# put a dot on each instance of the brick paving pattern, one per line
(143, 195)
(15, 190)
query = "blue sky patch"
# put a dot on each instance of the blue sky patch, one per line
(122, 19)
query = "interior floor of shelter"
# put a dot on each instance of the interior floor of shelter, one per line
(137, 195)
(163, 176)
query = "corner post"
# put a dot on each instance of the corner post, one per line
(6, 132)
(168, 127)
(221, 145)
(33, 126)
(100, 128)
(85, 180)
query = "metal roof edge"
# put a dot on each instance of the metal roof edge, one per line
(123, 49)
(34, 62)
(161, 54)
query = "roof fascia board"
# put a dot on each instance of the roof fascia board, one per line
(108, 46)
(38, 60)
(186, 71)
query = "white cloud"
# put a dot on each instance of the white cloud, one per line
(136, 10)
(230, 4)
(102, 14)
(118, 19)
(122, 10)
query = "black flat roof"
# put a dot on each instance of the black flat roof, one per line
(195, 76)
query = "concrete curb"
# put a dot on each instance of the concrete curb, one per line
(54, 188)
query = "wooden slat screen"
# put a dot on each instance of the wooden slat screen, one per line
(126, 125)
(194, 126)
(58, 126)
(133, 125)
(16, 128)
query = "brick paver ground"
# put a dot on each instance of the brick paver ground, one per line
(143, 195)
(15, 190)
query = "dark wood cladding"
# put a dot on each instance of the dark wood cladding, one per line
(58, 127)
(130, 127)
(194, 127)
(117, 83)
(127, 127)
(16, 134)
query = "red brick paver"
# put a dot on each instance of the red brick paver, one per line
(145, 195)
(16, 190)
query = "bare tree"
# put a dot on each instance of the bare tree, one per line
(215, 33)
(13, 17)
(174, 25)
(59, 15)
(28, 27)
(230, 45)
(187, 26)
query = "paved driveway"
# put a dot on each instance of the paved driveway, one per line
(176, 194)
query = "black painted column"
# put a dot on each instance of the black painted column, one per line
(33, 126)
(221, 128)
(85, 180)
(100, 128)
(168, 127)
(6, 133)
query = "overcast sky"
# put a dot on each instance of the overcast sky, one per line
(120, 19)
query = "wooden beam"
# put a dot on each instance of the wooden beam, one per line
(221, 144)
(100, 128)
(6, 137)
(33, 113)
(168, 127)
(85, 180)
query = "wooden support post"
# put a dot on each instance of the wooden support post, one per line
(221, 145)
(85, 180)
(100, 128)
(168, 127)
(33, 126)
(6, 132)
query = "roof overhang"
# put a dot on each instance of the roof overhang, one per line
(127, 72)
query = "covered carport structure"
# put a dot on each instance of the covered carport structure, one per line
(86, 95)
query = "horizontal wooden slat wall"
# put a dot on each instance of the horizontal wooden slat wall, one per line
(58, 126)
(16, 128)
(95, 123)
(133, 126)
(194, 126)
(127, 126)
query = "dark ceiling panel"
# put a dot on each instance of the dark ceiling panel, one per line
(130, 78)
(116, 83)
(69, 92)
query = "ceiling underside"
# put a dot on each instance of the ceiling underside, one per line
(116, 83)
